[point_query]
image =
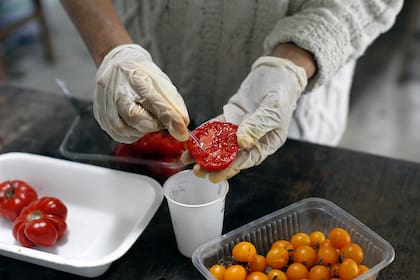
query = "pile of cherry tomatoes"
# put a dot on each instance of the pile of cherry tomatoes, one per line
(313, 256)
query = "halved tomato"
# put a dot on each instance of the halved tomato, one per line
(217, 147)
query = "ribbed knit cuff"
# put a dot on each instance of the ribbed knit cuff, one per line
(326, 41)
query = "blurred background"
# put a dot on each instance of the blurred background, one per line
(37, 48)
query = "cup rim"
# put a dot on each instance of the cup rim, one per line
(223, 196)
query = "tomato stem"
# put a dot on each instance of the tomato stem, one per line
(37, 214)
(10, 192)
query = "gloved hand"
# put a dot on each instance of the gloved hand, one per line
(134, 97)
(263, 108)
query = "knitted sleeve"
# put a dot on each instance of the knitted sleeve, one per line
(335, 31)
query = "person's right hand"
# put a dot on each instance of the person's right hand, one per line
(134, 97)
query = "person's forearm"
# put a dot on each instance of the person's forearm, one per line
(299, 56)
(98, 25)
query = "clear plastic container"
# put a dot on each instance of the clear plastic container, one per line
(86, 142)
(303, 216)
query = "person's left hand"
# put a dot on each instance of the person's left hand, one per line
(263, 108)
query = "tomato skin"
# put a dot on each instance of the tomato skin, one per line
(124, 150)
(305, 254)
(363, 268)
(277, 257)
(327, 255)
(257, 275)
(235, 272)
(299, 239)
(348, 269)
(244, 251)
(218, 271)
(158, 144)
(14, 196)
(319, 272)
(42, 222)
(259, 264)
(219, 145)
(284, 244)
(160, 151)
(276, 274)
(316, 238)
(153, 145)
(296, 271)
(353, 251)
(339, 237)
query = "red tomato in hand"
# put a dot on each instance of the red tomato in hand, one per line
(42, 222)
(124, 150)
(14, 196)
(219, 145)
(154, 145)
(160, 151)
(157, 145)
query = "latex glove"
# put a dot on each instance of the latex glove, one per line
(134, 97)
(263, 109)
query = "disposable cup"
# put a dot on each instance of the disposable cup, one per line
(196, 207)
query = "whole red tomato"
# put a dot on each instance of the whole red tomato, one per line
(14, 195)
(124, 150)
(42, 222)
(158, 144)
(219, 145)
(154, 145)
(160, 151)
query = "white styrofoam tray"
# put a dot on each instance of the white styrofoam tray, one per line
(107, 211)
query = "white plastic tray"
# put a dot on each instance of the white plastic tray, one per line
(107, 211)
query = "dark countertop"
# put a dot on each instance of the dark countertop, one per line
(382, 193)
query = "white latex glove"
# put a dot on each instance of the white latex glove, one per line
(263, 108)
(134, 97)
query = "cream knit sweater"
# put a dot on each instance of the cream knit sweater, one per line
(207, 47)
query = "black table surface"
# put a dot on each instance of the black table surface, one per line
(382, 193)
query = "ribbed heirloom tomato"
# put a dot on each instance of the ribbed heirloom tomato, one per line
(14, 195)
(42, 222)
(219, 145)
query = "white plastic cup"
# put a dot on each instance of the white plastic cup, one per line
(196, 207)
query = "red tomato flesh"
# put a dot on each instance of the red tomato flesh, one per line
(219, 145)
